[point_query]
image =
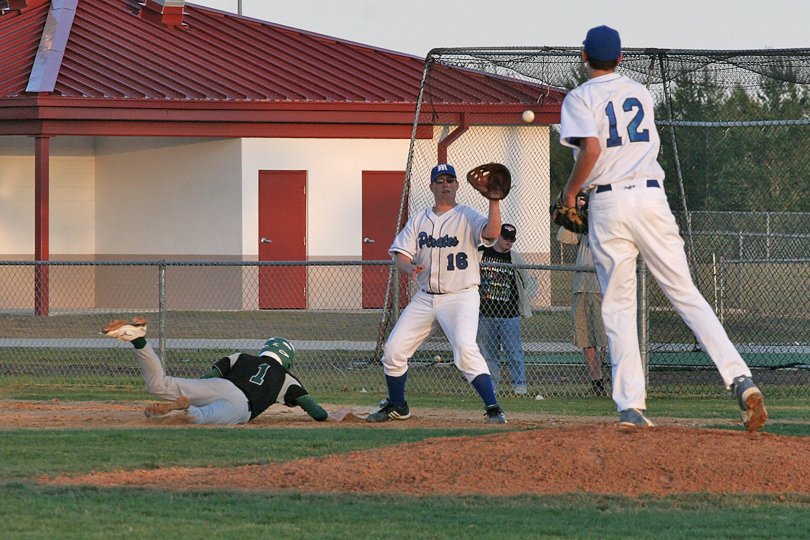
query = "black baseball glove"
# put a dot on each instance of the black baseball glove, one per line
(572, 218)
(492, 180)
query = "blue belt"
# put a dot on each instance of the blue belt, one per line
(606, 187)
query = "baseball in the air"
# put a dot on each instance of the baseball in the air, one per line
(437, 358)
(528, 116)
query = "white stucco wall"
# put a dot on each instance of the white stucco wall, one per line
(334, 187)
(71, 194)
(183, 197)
(172, 196)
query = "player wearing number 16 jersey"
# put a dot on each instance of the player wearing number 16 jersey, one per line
(439, 248)
(608, 120)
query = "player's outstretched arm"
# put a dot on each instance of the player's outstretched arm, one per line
(312, 408)
(493, 227)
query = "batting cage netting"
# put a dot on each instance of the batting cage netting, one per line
(735, 132)
(734, 126)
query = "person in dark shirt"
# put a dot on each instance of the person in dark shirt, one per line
(504, 300)
(237, 389)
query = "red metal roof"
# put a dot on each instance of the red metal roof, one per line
(220, 56)
(19, 40)
(232, 70)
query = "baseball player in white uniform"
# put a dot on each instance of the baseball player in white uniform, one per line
(439, 248)
(608, 120)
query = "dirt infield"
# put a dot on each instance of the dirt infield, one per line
(572, 454)
(57, 414)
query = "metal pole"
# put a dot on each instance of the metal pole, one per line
(714, 277)
(643, 318)
(397, 294)
(162, 310)
(392, 286)
(768, 236)
(722, 292)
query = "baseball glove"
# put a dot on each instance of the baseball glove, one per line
(492, 180)
(572, 218)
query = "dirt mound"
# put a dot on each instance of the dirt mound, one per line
(600, 458)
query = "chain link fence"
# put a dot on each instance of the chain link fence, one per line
(198, 312)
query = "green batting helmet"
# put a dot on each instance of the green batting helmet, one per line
(280, 350)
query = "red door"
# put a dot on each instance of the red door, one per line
(282, 237)
(382, 192)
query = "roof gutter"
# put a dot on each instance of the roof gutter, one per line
(52, 46)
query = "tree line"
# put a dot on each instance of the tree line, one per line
(755, 168)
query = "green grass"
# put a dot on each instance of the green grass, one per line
(294, 325)
(94, 513)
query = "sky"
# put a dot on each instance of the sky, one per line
(416, 26)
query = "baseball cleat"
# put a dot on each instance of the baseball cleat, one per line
(164, 410)
(751, 403)
(126, 331)
(389, 411)
(495, 415)
(634, 417)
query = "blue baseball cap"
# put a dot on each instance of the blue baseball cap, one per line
(440, 169)
(603, 43)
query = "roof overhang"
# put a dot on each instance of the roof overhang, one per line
(46, 115)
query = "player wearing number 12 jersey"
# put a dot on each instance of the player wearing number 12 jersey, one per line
(439, 248)
(608, 120)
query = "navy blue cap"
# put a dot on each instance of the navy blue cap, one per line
(440, 169)
(603, 43)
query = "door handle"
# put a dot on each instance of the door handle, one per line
(265, 241)
(368, 240)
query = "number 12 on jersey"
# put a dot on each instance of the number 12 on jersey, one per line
(633, 133)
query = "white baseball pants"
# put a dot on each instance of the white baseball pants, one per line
(456, 313)
(213, 401)
(633, 219)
